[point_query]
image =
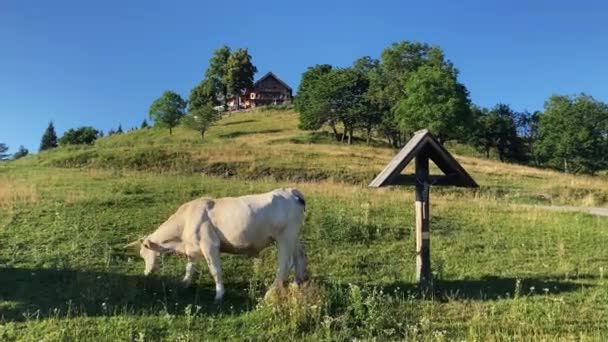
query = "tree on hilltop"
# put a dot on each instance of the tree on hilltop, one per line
(239, 73)
(573, 134)
(200, 119)
(216, 74)
(3, 150)
(79, 136)
(436, 101)
(49, 138)
(21, 152)
(167, 110)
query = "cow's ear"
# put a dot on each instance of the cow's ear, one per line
(153, 246)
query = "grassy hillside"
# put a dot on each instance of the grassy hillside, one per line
(268, 144)
(503, 270)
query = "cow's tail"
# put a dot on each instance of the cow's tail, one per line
(299, 197)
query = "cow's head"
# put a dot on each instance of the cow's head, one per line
(150, 252)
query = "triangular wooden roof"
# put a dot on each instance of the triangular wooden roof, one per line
(271, 74)
(424, 142)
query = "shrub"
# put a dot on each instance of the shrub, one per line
(79, 136)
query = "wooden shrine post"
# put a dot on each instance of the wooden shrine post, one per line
(423, 234)
(423, 146)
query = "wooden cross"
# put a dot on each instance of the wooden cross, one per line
(423, 146)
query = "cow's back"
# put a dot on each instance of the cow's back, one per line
(253, 221)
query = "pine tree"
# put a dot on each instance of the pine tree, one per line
(49, 138)
(144, 124)
(3, 150)
(119, 130)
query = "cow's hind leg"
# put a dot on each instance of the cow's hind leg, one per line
(210, 247)
(215, 267)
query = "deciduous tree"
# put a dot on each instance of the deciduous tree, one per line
(202, 95)
(573, 134)
(338, 96)
(167, 110)
(371, 115)
(528, 131)
(497, 128)
(388, 82)
(239, 73)
(305, 102)
(79, 136)
(21, 152)
(201, 118)
(434, 99)
(216, 73)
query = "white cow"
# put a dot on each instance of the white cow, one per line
(237, 225)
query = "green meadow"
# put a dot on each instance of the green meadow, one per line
(503, 269)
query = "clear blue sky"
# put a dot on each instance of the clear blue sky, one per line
(102, 63)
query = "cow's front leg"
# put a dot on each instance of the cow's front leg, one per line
(300, 261)
(286, 246)
(189, 272)
(282, 268)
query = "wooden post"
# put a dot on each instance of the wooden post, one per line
(423, 242)
(422, 146)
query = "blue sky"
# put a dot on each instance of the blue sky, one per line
(102, 63)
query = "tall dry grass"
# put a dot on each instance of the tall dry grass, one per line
(17, 192)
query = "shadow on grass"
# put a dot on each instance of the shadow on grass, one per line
(327, 138)
(242, 133)
(489, 288)
(238, 122)
(59, 293)
(484, 289)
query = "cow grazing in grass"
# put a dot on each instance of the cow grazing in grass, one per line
(237, 225)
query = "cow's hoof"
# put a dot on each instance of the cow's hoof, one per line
(271, 293)
(301, 283)
(274, 293)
